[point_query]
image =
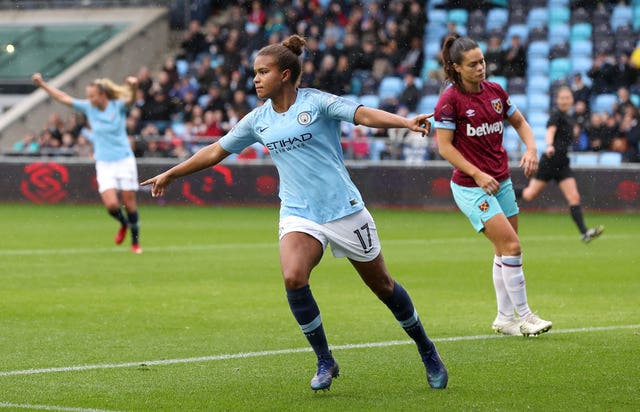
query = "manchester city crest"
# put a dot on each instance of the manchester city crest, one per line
(304, 118)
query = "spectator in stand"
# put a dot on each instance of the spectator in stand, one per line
(581, 118)
(215, 100)
(600, 135)
(326, 76)
(157, 110)
(28, 145)
(494, 57)
(581, 91)
(308, 77)
(205, 73)
(410, 96)
(414, 58)
(515, 58)
(146, 82)
(193, 42)
(603, 74)
(212, 124)
(169, 67)
(343, 75)
(627, 72)
(623, 102)
(631, 128)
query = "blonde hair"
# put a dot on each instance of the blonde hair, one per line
(111, 89)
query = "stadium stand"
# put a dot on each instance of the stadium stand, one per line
(561, 37)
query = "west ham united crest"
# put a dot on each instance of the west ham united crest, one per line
(484, 206)
(304, 118)
(497, 105)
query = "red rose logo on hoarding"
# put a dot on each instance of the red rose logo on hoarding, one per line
(45, 182)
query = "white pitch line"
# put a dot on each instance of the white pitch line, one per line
(274, 245)
(243, 355)
(48, 407)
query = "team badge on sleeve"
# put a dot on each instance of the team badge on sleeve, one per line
(484, 206)
(497, 105)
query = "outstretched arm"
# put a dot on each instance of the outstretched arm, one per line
(56, 94)
(205, 157)
(368, 116)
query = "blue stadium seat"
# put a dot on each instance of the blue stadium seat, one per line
(458, 16)
(559, 14)
(581, 48)
(621, 15)
(370, 100)
(603, 103)
(497, 18)
(538, 84)
(537, 119)
(538, 17)
(521, 101)
(182, 66)
(512, 142)
(584, 159)
(517, 30)
(538, 66)
(610, 158)
(538, 49)
(537, 102)
(581, 64)
(559, 69)
(390, 86)
(559, 33)
(501, 80)
(427, 103)
(552, 4)
(581, 31)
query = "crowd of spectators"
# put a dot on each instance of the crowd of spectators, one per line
(206, 87)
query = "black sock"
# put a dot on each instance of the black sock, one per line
(402, 308)
(306, 311)
(518, 191)
(117, 215)
(135, 227)
(576, 215)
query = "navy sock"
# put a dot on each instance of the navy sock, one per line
(306, 311)
(402, 308)
(117, 215)
(576, 215)
(135, 227)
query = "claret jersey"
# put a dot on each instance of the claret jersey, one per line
(477, 120)
(304, 144)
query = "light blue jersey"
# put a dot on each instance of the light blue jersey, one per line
(108, 129)
(304, 143)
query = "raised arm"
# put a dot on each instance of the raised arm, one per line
(368, 116)
(56, 94)
(203, 158)
(132, 82)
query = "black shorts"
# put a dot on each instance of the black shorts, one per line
(555, 167)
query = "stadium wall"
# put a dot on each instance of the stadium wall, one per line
(70, 181)
(143, 43)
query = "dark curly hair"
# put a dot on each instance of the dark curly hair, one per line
(287, 54)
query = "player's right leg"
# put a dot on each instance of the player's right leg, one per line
(299, 253)
(112, 203)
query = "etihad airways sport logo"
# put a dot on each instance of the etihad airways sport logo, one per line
(286, 145)
(484, 129)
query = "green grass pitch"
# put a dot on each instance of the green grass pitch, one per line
(199, 322)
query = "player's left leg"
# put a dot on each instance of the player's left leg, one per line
(376, 276)
(569, 189)
(112, 203)
(130, 205)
